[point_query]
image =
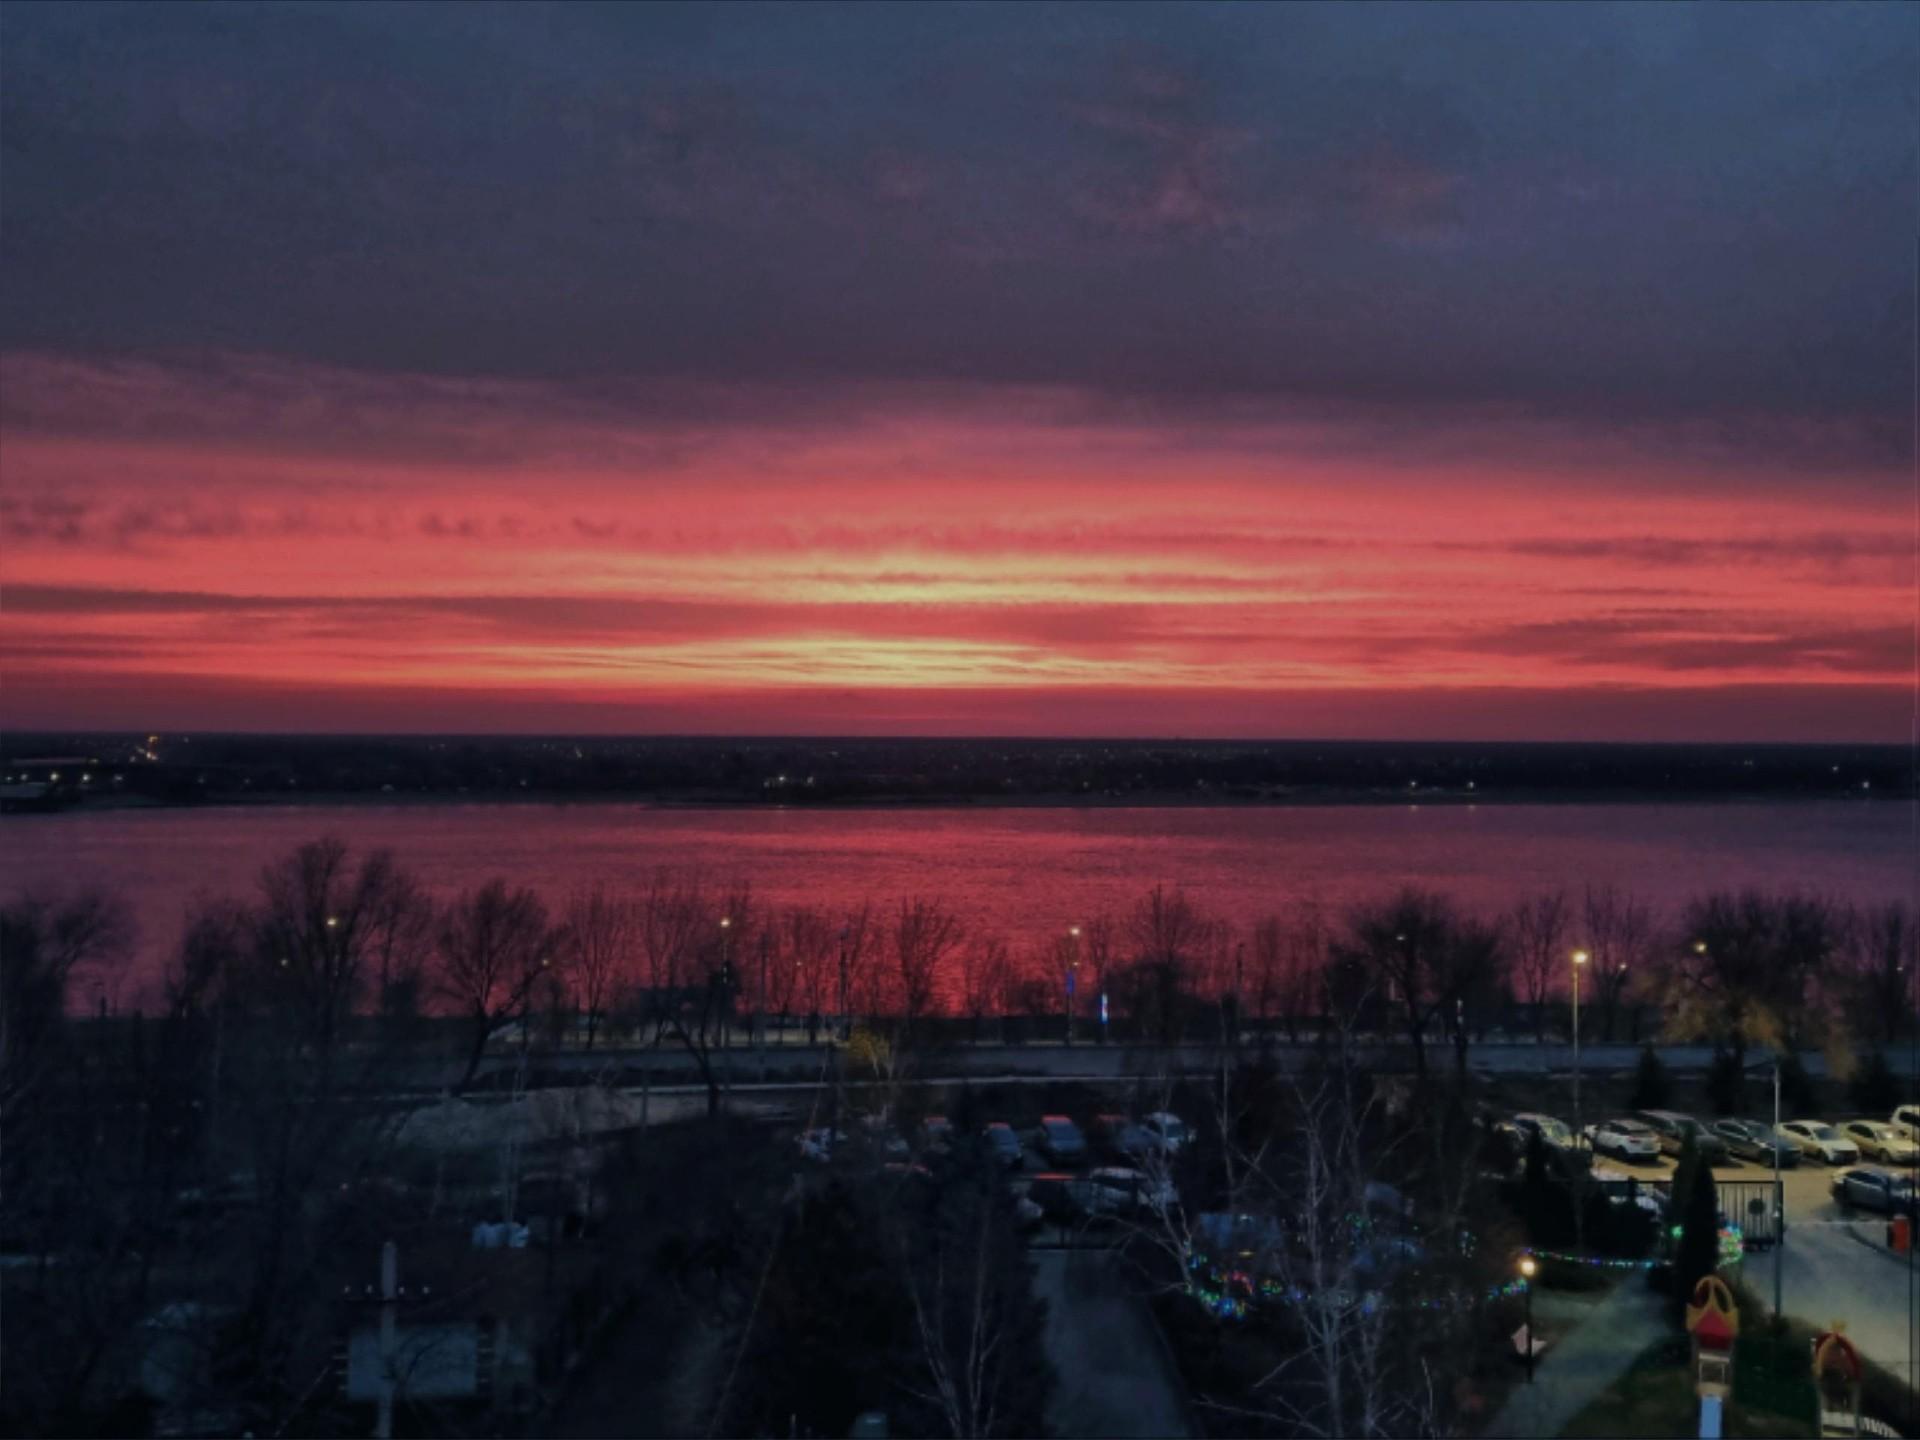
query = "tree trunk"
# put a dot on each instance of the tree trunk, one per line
(482, 1028)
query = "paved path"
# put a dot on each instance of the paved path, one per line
(1583, 1361)
(1112, 1375)
(1836, 1269)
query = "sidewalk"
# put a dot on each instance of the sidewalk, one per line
(1582, 1362)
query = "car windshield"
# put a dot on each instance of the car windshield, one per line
(1554, 1130)
(1823, 1132)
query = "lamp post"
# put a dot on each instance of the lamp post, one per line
(1073, 966)
(1527, 1267)
(1779, 1209)
(1579, 959)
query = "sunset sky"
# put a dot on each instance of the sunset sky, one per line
(1476, 372)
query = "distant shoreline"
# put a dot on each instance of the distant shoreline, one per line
(1302, 799)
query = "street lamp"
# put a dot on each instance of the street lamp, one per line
(1073, 966)
(1580, 958)
(1527, 1267)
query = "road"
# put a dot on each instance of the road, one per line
(788, 1060)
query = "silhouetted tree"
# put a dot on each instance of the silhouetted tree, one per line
(1539, 928)
(494, 945)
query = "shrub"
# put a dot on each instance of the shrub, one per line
(1698, 1253)
(1652, 1086)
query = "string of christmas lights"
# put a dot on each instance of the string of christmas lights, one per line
(1230, 1293)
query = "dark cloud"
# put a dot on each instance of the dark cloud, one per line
(1590, 212)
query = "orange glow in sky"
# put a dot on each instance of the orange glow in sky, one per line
(419, 556)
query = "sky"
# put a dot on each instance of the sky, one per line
(1494, 372)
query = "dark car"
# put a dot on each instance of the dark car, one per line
(1751, 1140)
(1066, 1199)
(1676, 1128)
(1061, 1141)
(1870, 1188)
(1003, 1144)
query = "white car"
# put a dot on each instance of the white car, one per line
(1626, 1139)
(1819, 1141)
(1907, 1118)
(1878, 1140)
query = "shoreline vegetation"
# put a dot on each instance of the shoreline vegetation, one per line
(43, 772)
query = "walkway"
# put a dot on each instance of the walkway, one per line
(1112, 1375)
(1606, 1338)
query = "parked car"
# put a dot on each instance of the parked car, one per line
(1907, 1118)
(1061, 1141)
(881, 1136)
(1751, 1140)
(1620, 1188)
(1168, 1131)
(1003, 1144)
(1871, 1188)
(1818, 1140)
(1675, 1129)
(936, 1134)
(1877, 1140)
(1625, 1139)
(1119, 1138)
(820, 1144)
(1131, 1192)
(1069, 1199)
(1520, 1130)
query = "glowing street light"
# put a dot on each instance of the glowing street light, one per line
(1527, 1268)
(1073, 966)
(1580, 958)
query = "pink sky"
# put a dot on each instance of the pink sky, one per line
(254, 545)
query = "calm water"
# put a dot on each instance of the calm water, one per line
(1021, 872)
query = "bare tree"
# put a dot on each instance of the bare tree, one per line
(983, 969)
(922, 939)
(1402, 941)
(597, 945)
(1166, 934)
(1880, 956)
(1619, 933)
(672, 920)
(862, 986)
(1746, 971)
(810, 943)
(44, 944)
(1469, 980)
(1539, 925)
(494, 946)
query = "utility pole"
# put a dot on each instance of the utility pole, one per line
(1579, 959)
(389, 1292)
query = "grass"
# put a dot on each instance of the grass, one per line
(1656, 1398)
(1883, 1394)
